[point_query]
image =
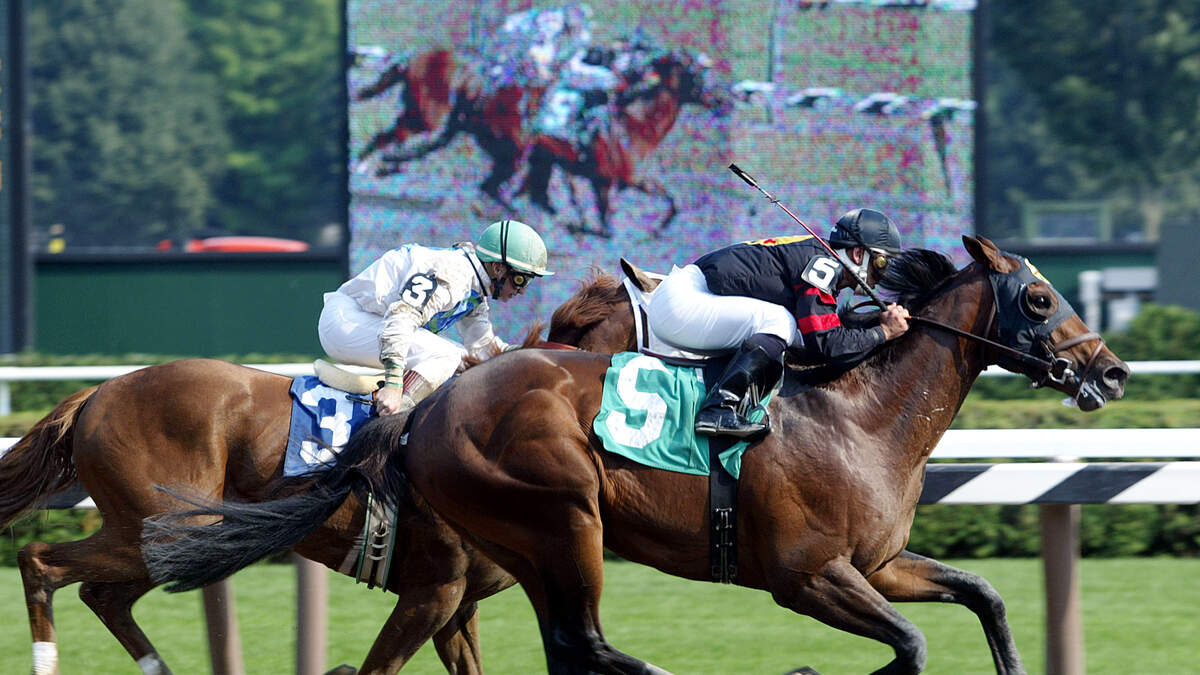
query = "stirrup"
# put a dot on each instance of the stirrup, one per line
(339, 377)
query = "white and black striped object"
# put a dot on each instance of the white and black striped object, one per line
(1063, 483)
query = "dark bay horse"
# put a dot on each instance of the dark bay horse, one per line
(219, 429)
(825, 501)
(442, 93)
(644, 117)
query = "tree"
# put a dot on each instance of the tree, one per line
(279, 68)
(127, 133)
(1109, 88)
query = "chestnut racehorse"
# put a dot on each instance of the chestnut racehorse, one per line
(220, 429)
(506, 455)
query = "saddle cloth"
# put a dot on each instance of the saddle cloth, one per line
(648, 411)
(322, 420)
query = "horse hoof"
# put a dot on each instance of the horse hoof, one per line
(342, 670)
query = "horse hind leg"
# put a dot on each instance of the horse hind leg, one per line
(914, 578)
(839, 596)
(113, 603)
(457, 642)
(422, 612)
(114, 574)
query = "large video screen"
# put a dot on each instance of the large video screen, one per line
(609, 127)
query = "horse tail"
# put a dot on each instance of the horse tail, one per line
(187, 550)
(40, 464)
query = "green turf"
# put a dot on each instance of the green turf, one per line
(1139, 616)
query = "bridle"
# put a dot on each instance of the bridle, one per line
(1015, 325)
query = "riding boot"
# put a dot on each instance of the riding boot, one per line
(753, 371)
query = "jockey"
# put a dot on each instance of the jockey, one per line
(544, 39)
(391, 315)
(761, 297)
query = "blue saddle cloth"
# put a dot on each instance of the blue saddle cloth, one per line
(323, 418)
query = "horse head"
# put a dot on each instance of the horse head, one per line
(1045, 339)
(689, 76)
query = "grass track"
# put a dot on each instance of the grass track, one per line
(1139, 616)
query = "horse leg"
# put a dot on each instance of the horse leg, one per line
(505, 156)
(393, 134)
(113, 603)
(840, 597)
(537, 179)
(114, 571)
(652, 188)
(457, 642)
(420, 613)
(602, 187)
(914, 578)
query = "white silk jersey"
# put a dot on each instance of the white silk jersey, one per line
(415, 287)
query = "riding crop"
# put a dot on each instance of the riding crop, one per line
(751, 182)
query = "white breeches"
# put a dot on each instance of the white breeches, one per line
(350, 335)
(683, 312)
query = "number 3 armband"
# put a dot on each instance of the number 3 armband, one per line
(418, 290)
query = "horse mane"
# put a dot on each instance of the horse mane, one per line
(916, 275)
(591, 304)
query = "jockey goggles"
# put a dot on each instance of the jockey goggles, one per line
(519, 279)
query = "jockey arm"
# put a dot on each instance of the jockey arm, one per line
(825, 337)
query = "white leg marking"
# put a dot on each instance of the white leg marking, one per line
(152, 665)
(45, 658)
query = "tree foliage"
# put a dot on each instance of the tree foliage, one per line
(162, 119)
(1094, 100)
(128, 138)
(278, 65)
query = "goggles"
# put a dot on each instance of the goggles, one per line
(519, 279)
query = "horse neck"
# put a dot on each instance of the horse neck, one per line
(905, 398)
(647, 130)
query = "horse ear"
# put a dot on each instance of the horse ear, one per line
(984, 252)
(639, 277)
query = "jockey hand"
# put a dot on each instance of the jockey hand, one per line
(391, 400)
(893, 321)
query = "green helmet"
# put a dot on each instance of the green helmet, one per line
(515, 244)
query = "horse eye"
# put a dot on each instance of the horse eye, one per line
(1041, 301)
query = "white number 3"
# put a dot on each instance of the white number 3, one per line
(418, 289)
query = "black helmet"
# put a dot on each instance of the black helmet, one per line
(867, 228)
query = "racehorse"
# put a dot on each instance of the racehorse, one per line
(825, 501)
(220, 430)
(442, 94)
(644, 116)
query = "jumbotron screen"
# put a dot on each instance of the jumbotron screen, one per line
(609, 127)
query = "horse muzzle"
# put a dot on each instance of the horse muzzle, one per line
(1102, 384)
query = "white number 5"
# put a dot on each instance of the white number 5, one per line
(822, 272)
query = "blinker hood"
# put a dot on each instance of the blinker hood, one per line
(1015, 327)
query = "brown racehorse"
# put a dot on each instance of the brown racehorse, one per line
(644, 117)
(217, 429)
(442, 94)
(505, 454)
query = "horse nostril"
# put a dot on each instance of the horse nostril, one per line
(1115, 376)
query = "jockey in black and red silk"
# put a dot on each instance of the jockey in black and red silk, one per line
(762, 297)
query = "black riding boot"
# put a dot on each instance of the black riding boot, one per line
(753, 371)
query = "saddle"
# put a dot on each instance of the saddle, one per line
(365, 381)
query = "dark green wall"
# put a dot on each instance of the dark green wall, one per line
(182, 304)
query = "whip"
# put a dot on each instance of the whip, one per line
(737, 171)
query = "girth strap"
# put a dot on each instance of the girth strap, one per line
(722, 513)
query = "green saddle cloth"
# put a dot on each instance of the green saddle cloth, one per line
(648, 412)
